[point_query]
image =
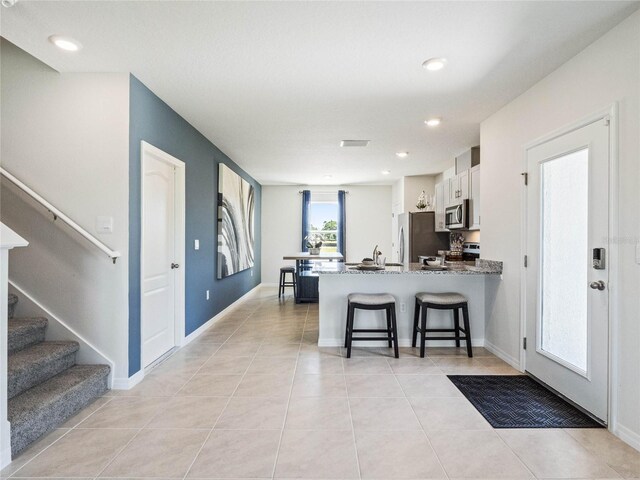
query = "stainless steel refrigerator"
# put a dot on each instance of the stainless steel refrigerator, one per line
(417, 236)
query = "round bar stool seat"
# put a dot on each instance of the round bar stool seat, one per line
(371, 301)
(283, 283)
(441, 301)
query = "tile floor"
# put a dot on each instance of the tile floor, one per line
(254, 397)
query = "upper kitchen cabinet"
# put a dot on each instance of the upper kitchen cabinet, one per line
(459, 187)
(460, 184)
(474, 198)
(464, 185)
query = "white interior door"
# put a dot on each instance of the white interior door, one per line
(159, 257)
(567, 299)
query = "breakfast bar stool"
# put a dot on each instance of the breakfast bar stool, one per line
(371, 301)
(441, 301)
(283, 283)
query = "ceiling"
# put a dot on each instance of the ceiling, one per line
(278, 85)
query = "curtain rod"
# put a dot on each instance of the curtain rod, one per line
(320, 191)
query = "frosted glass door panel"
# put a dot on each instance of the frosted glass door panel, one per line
(564, 258)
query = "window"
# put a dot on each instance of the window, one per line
(323, 220)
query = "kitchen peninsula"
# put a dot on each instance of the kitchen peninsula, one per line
(478, 283)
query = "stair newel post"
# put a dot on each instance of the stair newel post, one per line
(8, 240)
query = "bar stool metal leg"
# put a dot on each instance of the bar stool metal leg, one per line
(280, 284)
(295, 284)
(423, 333)
(350, 316)
(456, 325)
(346, 328)
(416, 314)
(394, 328)
(467, 330)
(389, 332)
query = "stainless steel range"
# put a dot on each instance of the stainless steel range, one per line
(470, 251)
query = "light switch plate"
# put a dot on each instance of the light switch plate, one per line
(104, 224)
(196, 244)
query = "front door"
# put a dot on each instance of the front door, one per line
(567, 296)
(158, 258)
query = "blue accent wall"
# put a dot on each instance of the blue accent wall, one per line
(156, 123)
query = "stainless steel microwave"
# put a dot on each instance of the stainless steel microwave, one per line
(456, 216)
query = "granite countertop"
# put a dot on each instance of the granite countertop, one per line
(481, 267)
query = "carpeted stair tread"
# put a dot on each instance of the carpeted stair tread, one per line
(47, 405)
(12, 302)
(35, 364)
(24, 332)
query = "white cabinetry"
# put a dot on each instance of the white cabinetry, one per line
(459, 187)
(474, 198)
(463, 186)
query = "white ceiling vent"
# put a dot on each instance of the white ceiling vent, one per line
(354, 143)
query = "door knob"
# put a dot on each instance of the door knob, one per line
(599, 285)
(174, 265)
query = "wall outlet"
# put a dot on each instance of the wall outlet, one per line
(196, 244)
(403, 307)
(207, 294)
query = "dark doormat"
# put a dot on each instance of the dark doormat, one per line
(518, 401)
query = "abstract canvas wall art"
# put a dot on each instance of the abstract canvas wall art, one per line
(236, 202)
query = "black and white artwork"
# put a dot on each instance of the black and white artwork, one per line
(236, 202)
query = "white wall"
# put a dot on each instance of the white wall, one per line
(67, 137)
(368, 216)
(413, 186)
(607, 71)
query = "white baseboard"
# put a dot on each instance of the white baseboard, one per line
(339, 342)
(626, 435)
(57, 329)
(501, 354)
(201, 329)
(128, 383)
(269, 285)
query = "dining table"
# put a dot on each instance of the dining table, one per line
(306, 279)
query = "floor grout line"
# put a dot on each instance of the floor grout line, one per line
(424, 432)
(195, 458)
(286, 413)
(154, 416)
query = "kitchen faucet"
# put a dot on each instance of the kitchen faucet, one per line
(376, 254)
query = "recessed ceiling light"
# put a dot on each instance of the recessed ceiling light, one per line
(432, 122)
(65, 43)
(385, 172)
(402, 154)
(328, 176)
(434, 64)
(354, 143)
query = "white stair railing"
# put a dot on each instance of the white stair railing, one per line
(57, 214)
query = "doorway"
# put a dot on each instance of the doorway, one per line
(566, 279)
(161, 253)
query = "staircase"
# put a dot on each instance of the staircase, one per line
(45, 386)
